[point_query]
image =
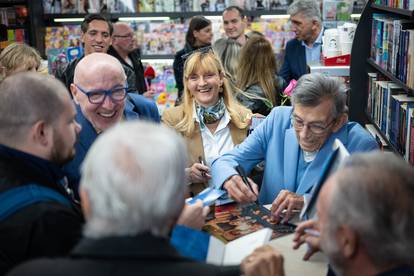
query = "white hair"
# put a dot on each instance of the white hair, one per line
(134, 178)
(309, 8)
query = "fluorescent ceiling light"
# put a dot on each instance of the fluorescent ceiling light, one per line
(148, 18)
(68, 19)
(160, 60)
(213, 17)
(275, 16)
(355, 15)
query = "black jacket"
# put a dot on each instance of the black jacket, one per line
(66, 74)
(140, 255)
(40, 229)
(137, 67)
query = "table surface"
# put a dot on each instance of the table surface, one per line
(293, 263)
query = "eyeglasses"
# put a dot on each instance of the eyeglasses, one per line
(202, 50)
(125, 36)
(116, 94)
(315, 128)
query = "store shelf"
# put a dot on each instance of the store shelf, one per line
(391, 77)
(115, 16)
(401, 12)
(157, 57)
(390, 146)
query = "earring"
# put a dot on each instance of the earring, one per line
(221, 90)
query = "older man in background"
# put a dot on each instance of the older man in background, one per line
(123, 48)
(305, 48)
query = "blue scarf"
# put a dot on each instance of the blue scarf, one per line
(211, 114)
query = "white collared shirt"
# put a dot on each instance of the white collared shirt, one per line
(218, 143)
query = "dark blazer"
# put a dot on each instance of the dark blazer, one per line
(136, 107)
(294, 65)
(136, 67)
(140, 255)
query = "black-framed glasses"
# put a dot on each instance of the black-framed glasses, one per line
(202, 50)
(315, 128)
(116, 94)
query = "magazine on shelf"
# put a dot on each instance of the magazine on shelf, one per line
(237, 230)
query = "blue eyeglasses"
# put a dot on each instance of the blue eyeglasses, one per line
(116, 94)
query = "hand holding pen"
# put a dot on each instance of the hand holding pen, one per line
(307, 232)
(241, 188)
(199, 172)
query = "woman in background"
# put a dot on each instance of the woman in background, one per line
(199, 35)
(18, 57)
(209, 118)
(256, 76)
(228, 51)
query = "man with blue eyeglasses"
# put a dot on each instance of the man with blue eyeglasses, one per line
(100, 93)
(295, 142)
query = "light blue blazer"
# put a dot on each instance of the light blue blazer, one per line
(274, 141)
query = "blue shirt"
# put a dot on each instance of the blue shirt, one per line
(313, 54)
(302, 166)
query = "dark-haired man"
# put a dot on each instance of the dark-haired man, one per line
(234, 24)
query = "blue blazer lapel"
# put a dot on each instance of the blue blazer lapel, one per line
(302, 59)
(129, 112)
(312, 174)
(88, 133)
(290, 162)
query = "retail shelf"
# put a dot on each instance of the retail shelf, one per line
(403, 12)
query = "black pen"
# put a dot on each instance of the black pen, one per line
(200, 160)
(242, 174)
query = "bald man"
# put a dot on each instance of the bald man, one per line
(99, 91)
(123, 48)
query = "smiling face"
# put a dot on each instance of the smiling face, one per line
(97, 38)
(320, 117)
(99, 76)
(233, 24)
(204, 86)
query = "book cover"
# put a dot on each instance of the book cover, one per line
(233, 221)
(52, 6)
(69, 6)
(208, 196)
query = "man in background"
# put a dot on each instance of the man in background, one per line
(130, 208)
(234, 24)
(96, 37)
(123, 48)
(38, 132)
(365, 217)
(99, 90)
(305, 48)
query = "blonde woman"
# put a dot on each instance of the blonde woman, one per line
(256, 76)
(18, 57)
(210, 119)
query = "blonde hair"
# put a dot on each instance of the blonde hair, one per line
(257, 65)
(209, 62)
(17, 55)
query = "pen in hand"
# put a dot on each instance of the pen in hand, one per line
(201, 161)
(242, 174)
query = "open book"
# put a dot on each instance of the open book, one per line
(338, 155)
(238, 229)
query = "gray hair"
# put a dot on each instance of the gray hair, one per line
(134, 178)
(312, 89)
(26, 98)
(309, 8)
(373, 196)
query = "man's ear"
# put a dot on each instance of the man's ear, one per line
(74, 92)
(347, 241)
(340, 121)
(42, 134)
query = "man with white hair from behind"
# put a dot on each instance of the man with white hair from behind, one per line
(132, 196)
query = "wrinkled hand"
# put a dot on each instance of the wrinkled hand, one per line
(194, 216)
(198, 173)
(286, 200)
(239, 191)
(301, 237)
(264, 261)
